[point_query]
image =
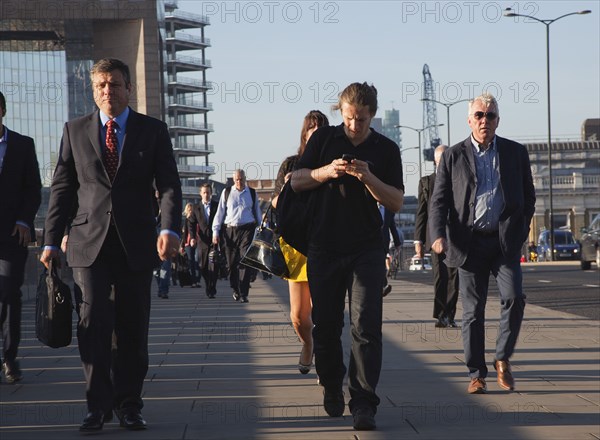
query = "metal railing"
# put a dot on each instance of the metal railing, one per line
(202, 19)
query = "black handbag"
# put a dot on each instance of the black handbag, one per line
(264, 253)
(295, 210)
(217, 262)
(294, 214)
(53, 310)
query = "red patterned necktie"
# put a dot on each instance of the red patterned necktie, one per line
(111, 153)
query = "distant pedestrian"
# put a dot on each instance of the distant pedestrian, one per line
(389, 232)
(238, 213)
(189, 244)
(201, 221)
(480, 214)
(300, 301)
(349, 168)
(445, 279)
(20, 197)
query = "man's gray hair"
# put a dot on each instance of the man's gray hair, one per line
(487, 99)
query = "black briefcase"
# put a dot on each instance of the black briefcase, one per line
(53, 310)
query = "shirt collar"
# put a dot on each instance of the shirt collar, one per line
(4, 137)
(477, 145)
(121, 119)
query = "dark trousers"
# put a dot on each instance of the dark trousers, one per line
(485, 257)
(113, 328)
(193, 263)
(208, 271)
(12, 265)
(330, 276)
(445, 287)
(237, 240)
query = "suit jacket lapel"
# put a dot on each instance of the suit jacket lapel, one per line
(93, 130)
(467, 152)
(132, 132)
(503, 166)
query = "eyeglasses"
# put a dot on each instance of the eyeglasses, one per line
(490, 116)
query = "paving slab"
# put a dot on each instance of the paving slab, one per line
(220, 369)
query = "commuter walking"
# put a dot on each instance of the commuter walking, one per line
(107, 164)
(189, 244)
(350, 168)
(445, 279)
(480, 213)
(201, 221)
(239, 212)
(20, 197)
(300, 301)
(388, 233)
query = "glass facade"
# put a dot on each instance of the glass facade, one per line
(36, 89)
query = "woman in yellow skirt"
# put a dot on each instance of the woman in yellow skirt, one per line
(300, 302)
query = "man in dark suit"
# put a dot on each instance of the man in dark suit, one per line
(201, 222)
(20, 197)
(445, 279)
(480, 213)
(107, 165)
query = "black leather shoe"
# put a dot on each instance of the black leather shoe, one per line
(333, 401)
(95, 420)
(364, 419)
(131, 418)
(12, 372)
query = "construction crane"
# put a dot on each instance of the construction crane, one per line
(431, 138)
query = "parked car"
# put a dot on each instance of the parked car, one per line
(590, 250)
(565, 246)
(417, 264)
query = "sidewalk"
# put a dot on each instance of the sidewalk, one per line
(226, 370)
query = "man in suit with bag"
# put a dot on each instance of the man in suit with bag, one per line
(480, 214)
(108, 162)
(445, 279)
(201, 222)
(20, 197)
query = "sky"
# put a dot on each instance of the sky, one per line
(273, 61)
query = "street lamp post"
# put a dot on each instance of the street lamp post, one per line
(547, 22)
(419, 131)
(447, 105)
(406, 149)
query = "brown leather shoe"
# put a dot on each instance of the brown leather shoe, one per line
(477, 386)
(505, 377)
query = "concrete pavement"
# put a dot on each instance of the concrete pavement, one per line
(225, 370)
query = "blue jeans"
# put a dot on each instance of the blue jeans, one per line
(163, 276)
(485, 257)
(330, 276)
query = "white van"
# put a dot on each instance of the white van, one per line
(416, 263)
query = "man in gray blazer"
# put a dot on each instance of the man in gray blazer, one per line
(108, 164)
(480, 213)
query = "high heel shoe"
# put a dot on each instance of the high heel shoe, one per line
(304, 368)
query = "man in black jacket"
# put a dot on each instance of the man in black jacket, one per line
(20, 197)
(200, 226)
(445, 279)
